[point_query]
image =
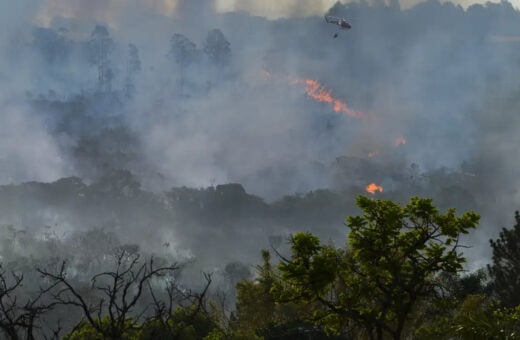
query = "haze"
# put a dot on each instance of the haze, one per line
(433, 88)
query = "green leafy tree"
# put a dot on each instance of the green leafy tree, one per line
(185, 323)
(505, 267)
(477, 317)
(257, 312)
(394, 255)
(86, 331)
(255, 304)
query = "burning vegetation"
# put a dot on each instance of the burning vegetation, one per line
(320, 93)
(372, 188)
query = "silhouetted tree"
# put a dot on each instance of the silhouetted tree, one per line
(217, 48)
(235, 272)
(183, 52)
(505, 267)
(182, 314)
(133, 66)
(100, 48)
(111, 314)
(21, 320)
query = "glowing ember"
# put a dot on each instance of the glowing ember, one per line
(318, 92)
(400, 141)
(372, 188)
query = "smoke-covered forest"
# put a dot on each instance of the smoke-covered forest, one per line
(200, 137)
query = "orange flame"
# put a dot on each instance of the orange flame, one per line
(400, 141)
(372, 188)
(318, 92)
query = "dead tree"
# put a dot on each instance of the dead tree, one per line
(112, 312)
(22, 320)
(194, 303)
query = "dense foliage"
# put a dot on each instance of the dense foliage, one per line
(392, 259)
(505, 269)
(399, 276)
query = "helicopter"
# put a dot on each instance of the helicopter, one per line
(340, 22)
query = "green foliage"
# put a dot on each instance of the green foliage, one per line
(393, 256)
(477, 317)
(257, 312)
(185, 323)
(85, 331)
(236, 334)
(505, 267)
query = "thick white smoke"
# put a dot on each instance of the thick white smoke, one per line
(28, 152)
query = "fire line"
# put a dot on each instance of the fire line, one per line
(318, 92)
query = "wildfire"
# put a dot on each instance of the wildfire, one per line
(372, 188)
(400, 141)
(318, 92)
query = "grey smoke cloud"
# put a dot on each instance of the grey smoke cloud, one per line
(414, 88)
(28, 151)
(443, 77)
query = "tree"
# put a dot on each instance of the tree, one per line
(183, 52)
(477, 317)
(258, 315)
(22, 320)
(217, 48)
(133, 66)
(235, 272)
(394, 255)
(112, 314)
(183, 314)
(100, 48)
(256, 308)
(505, 267)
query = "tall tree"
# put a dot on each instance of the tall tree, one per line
(183, 52)
(258, 315)
(133, 66)
(217, 48)
(505, 267)
(100, 48)
(393, 257)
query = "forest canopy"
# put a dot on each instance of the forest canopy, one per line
(400, 275)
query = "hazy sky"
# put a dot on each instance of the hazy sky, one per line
(106, 10)
(277, 8)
